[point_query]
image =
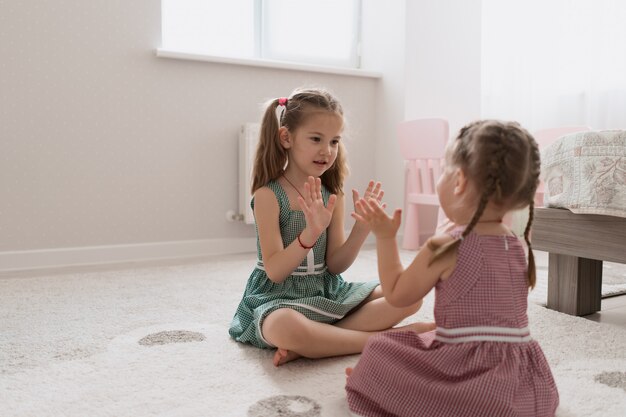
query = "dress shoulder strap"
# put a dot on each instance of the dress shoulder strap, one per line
(279, 192)
(325, 194)
(281, 196)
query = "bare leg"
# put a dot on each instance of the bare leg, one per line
(283, 356)
(296, 336)
(292, 331)
(376, 314)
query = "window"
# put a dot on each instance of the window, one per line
(321, 32)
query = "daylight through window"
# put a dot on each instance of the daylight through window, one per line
(323, 32)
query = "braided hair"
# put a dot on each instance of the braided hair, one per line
(502, 160)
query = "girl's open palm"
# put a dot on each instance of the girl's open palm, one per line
(373, 190)
(371, 213)
(317, 215)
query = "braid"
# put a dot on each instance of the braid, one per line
(494, 174)
(482, 204)
(532, 272)
(534, 168)
(503, 158)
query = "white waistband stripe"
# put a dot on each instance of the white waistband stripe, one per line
(484, 329)
(484, 338)
(483, 334)
(301, 271)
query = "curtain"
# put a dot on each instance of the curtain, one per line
(555, 63)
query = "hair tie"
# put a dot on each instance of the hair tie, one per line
(282, 101)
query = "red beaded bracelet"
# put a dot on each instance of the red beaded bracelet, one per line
(302, 245)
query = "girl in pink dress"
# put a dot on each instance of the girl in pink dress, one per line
(481, 360)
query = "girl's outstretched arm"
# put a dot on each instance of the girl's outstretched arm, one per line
(279, 261)
(341, 252)
(401, 287)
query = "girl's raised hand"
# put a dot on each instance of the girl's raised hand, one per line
(371, 213)
(374, 191)
(317, 215)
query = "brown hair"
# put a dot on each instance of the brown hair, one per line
(271, 157)
(502, 160)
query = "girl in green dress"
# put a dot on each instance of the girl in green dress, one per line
(295, 300)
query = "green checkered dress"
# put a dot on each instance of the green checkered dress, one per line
(310, 289)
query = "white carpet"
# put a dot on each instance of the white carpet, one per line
(153, 341)
(613, 280)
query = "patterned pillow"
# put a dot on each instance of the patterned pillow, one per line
(585, 172)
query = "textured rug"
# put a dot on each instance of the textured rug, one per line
(145, 341)
(613, 279)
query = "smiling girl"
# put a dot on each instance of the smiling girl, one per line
(295, 300)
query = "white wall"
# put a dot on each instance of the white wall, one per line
(429, 54)
(110, 153)
(443, 69)
(384, 50)
(443, 41)
(104, 144)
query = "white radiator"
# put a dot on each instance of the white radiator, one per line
(248, 139)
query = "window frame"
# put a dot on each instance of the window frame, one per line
(262, 47)
(261, 56)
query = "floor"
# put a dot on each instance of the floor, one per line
(613, 308)
(613, 312)
(132, 339)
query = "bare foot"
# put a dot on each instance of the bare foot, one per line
(282, 356)
(348, 372)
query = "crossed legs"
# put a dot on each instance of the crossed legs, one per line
(295, 335)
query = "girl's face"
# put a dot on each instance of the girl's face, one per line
(313, 146)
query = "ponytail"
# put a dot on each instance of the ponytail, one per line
(270, 157)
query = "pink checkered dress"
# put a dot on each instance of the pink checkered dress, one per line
(481, 361)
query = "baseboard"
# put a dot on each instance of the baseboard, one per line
(115, 254)
(96, 255)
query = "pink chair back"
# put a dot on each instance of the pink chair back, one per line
(545, 137)
(422, 138)
(422, 145)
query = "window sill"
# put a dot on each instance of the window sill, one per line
(164, 53)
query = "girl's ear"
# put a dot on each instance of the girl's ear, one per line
(460, 182)
(285, 137)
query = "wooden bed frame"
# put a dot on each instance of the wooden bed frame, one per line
(577, 245)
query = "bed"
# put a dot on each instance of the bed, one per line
(584, 219)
